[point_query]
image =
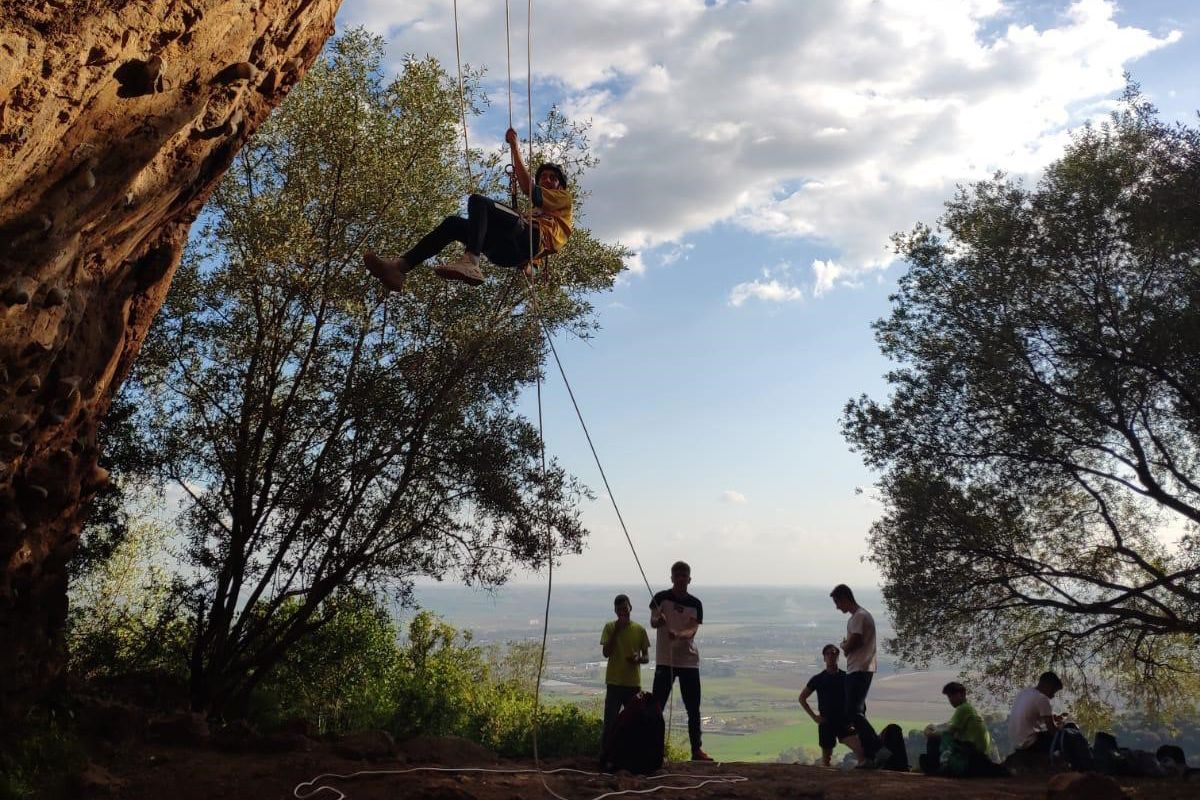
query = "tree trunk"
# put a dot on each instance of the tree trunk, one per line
(116, 121)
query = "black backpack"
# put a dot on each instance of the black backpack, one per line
(635, 742)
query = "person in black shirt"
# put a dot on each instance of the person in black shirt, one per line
(832, 717)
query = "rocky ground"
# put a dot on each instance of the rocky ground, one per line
(368, 766)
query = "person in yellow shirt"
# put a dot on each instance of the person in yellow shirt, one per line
(491, 229)
(627, 647)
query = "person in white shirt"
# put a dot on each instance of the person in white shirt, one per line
(861, 662)
(1032, 723)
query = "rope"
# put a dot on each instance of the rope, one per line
(508, 53)
(462, 100)
(595, 456)
(309, 789)
(537, 691)
(549, 340)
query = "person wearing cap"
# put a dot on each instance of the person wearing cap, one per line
(492, 229)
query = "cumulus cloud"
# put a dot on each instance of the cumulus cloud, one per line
(735, 498)
(769, 290)
(834, 121)
(775, 286)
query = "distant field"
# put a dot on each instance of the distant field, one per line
(767, 745)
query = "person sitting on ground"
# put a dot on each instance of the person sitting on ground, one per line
(1034, 728)
(964, 750)
(1032, 723)
(892, 753)
(833, 723)
(626, 646)
(491, 229)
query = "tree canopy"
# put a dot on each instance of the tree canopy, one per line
(1040, 444)
(326, 433)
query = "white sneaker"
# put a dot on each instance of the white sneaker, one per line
(465, 268)
(390, 272)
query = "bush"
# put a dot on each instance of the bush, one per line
(42, 760)
(126, 613)
(339, 677)
(354, 672)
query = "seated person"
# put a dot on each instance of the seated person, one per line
(833, 721)
(1031, 723)
(1033, 726)
(964, 750)
(892, 753)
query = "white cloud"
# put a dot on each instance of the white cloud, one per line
(837, 121)
(827, 275)
(735, 498)
(775, 286)
(675, 253)
(769, 290)
(635, 264)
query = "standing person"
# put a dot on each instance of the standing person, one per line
(859, 647)
(626, 646)
(833, 724)
(491, 229)
(677, 615)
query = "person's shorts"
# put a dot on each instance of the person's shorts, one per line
(829, 732)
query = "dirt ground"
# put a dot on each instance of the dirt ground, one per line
(202, 772)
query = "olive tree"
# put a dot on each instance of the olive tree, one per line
(327, 434)
(1040, 445)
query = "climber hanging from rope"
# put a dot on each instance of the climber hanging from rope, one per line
(492, 229)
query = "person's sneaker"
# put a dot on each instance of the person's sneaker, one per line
(465, 268)
(700, 755)
(389, 271)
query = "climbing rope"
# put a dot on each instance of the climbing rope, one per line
(558, 361)
(309, 789)
(462, 100)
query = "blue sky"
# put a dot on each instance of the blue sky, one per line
(757, 155)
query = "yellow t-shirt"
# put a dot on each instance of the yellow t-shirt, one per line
(553, 217)
(629, 641)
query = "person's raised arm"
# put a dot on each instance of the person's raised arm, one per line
(519, 169)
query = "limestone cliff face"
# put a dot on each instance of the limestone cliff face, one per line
(117, 119)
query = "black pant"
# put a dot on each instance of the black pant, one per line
(615, 697)
(689, 689)
(857, 686)
(490, 228)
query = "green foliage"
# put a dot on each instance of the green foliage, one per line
(340, 676)
(356, 672)
(448, 686)
(41, 762)
(125, 609)
(1042, 431)
(329, 434)
(806, 755)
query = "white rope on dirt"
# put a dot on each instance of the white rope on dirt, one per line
(309, 789)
